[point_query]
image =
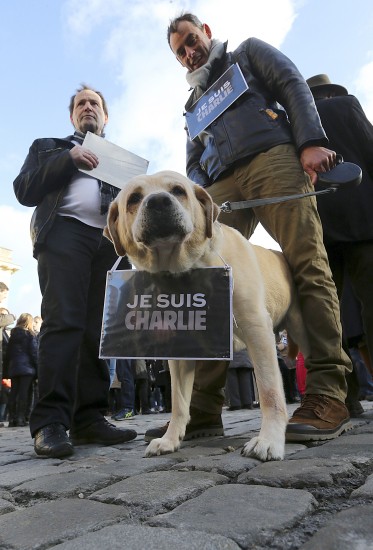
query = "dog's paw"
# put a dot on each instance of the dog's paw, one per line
(263, 449)
(161, 446)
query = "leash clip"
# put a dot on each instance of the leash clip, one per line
(226, 207)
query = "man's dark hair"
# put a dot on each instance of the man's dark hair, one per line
(184, 16)
(85, 87)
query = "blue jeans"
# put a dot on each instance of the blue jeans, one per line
(126, 376)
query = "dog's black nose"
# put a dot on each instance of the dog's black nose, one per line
(159, 202)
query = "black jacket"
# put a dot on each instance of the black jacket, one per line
(46, 172)
(347, 214)
(247, 127)
(21, 353)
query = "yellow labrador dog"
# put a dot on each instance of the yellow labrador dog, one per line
(164, 222)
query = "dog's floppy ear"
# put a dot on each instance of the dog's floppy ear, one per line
(211, 209)
(110, 230)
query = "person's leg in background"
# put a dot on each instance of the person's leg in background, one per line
(25, 384)
(246, 387)
(350, 319)
(12, 403)
(126, 376)
(359, 264)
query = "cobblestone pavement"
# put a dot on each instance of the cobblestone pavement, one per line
(206, 496)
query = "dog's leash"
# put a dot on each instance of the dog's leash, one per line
(228, 206)
(346, 173)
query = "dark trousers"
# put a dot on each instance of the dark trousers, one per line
(240, 387)
(19, 394)
(355, 259)
(142, 392)
(73, 381)
(126, 376)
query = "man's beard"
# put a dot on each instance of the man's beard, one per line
(89, 126)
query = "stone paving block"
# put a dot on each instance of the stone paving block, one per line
(229, 444)
(351, 448)
(12, 458)
(298, 474)
(62, 485)
(246, 428)
(239, 512)
(6, 506)
(220, 443)
(120, 537)
(363, 428)
(134, 465)
(350, 529)
(200, 447)
(229, 464)
(365, 491)
(31, 470)
(158, 490)
(50, 523)
(108, 451)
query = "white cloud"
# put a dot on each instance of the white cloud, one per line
(364, 85)
(146, 117)
(262, 238)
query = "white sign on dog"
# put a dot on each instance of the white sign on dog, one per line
(165, 316)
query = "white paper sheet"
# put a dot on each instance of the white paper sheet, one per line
(116, 165)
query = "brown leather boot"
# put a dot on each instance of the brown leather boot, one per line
(319, 417)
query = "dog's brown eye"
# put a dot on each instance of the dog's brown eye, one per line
(135, 198)
(178, 191)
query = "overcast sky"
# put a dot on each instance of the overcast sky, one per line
(49, 47)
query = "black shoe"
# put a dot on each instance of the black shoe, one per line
(12, 423)
(52, 441)
(22, 422)
(101, 433)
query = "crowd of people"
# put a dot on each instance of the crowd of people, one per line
(139, 386)
(274, 140)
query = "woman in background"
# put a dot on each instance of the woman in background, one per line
(22, 367)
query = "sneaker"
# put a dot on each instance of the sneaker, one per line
(101, 433)
(123, 414)
(319, 417)
(201, 425)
